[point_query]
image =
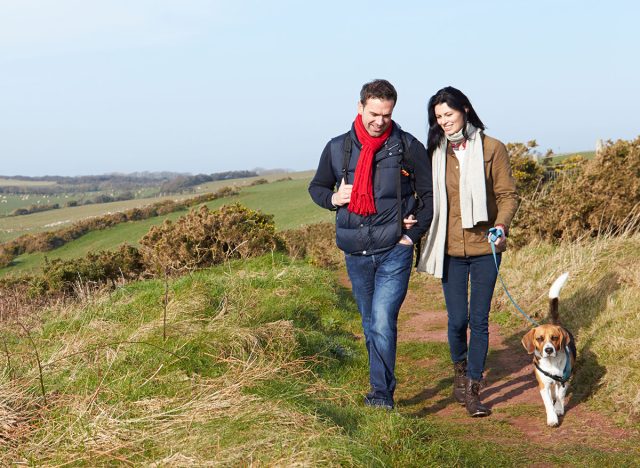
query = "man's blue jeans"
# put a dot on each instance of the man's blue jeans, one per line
(466, 310)
(379, 285)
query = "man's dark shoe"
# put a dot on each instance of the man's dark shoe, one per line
(472, 399)
(459, 381)
(378, 403)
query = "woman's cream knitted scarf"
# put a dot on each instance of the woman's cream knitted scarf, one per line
(473, 198)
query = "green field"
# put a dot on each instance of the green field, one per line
(287, 200)
(558, 158)
(15, 226)
(25, 183)
(10, 202)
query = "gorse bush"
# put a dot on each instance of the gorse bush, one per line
(35, 209)
(202, 238)
(601, 196)
(527, 172)
(95, 268)
(315, 242)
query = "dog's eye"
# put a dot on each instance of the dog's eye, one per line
(540, 339)
(555, 338)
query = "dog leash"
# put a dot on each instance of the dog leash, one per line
(494, 234)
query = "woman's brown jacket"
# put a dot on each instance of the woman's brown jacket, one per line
(502, 200)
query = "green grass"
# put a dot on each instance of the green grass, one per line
(252, 372)
(287, 200)
(558, 158)
(25, 183)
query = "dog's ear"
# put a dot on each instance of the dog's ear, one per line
(566, 338)
(527, 341)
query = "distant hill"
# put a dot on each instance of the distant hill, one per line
(163, 181)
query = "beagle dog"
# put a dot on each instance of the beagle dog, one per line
(554, 355)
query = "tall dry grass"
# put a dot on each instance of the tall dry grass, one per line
(117, 393)
(600, 304)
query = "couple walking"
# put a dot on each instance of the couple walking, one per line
(388, 191)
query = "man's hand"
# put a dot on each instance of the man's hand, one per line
(408, 222)
(343, 195)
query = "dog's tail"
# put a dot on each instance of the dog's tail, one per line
(554, 294)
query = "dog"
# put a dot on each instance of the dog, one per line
(554, 350)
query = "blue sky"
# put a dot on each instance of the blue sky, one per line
(90, 87)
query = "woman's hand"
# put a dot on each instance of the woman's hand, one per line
(502, 240)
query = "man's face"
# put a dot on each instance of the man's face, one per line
(376, 115)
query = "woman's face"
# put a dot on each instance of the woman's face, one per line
(449, 119)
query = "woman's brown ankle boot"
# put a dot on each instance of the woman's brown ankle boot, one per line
(472, 399)
(459, 384)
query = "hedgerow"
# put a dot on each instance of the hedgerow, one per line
(49, 240)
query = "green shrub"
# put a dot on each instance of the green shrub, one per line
(97, 268)
(202, 238)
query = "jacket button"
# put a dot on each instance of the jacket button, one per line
(362, 225)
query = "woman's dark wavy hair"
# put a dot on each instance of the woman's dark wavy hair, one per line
(455, 99)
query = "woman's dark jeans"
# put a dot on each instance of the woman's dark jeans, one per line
(469, 311)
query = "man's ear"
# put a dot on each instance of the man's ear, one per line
(360, 107)
(527, 341)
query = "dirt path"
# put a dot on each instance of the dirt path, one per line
(518, 412)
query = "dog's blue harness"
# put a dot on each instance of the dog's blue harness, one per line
(566, 373)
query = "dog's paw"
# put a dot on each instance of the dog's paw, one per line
(552, 421)
(559, 409)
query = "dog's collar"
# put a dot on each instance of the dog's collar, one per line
(566, 374)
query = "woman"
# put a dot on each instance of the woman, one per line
(473, 191)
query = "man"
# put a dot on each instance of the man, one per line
(377, 169)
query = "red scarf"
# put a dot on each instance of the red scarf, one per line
(362, 192)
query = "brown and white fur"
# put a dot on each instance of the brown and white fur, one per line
(549, 344)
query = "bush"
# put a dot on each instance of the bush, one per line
(261, 181)
(603, 196)
(527, 172)
(34, 209)
(97, 268)
(315, 242)
(202, 238)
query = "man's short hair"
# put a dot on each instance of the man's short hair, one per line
(378, 89)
